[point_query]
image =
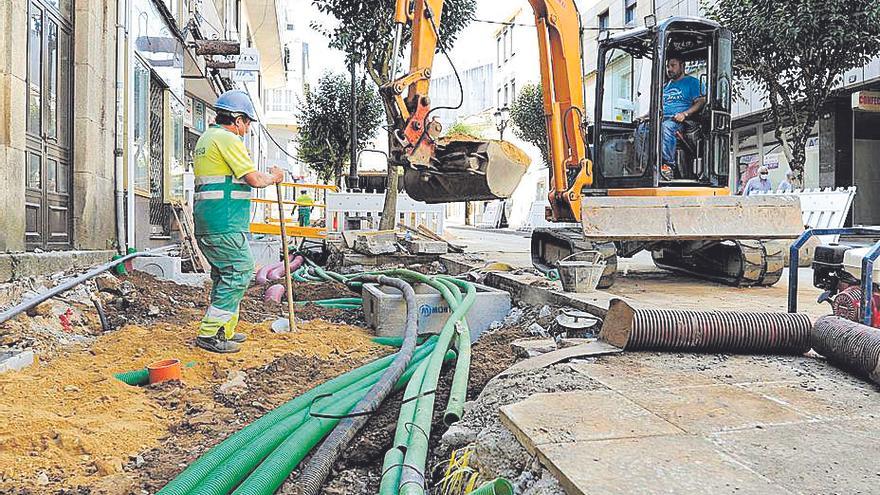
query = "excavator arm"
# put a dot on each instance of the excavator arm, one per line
(464, 169)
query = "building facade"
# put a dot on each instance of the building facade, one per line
(101, 103)
(845, 144)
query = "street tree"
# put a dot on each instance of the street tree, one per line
(527, 114)
(324, 118)
(795, 51)
(365, 31)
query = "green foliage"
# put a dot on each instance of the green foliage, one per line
(324, 137)
(463, 128)
(527, 114)
(366, 29)
(795, 51)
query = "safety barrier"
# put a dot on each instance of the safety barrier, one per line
(823, 208)
(353, 211)
(264, 212)
(535, 219)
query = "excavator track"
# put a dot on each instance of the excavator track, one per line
(743, 263)
(549, 245)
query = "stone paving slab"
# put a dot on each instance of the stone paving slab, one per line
(580, 416)
(674, 465)
(711, 408)
(820, 398)
(819, 458)
(638, 375)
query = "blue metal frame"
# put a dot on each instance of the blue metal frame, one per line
(867, 266)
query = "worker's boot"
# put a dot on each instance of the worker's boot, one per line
(218, 344)
(238, 338)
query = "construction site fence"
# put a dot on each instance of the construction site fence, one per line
(354, 211)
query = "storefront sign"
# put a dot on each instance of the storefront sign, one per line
(771, 161)
(188, 116)
(248, 59)
(244, 76)
(866, 101)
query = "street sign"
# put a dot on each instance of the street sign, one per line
(244, 76)
(866, 101)
(248, 60)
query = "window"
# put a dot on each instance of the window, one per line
(512, 90)
(629, 14)
(506, 94)
(603, 21)
(510, 40)
(498, 99)
(499, 52)
(305, 59)
(279, 100)
(141, 127)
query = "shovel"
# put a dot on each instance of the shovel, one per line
(282, 325)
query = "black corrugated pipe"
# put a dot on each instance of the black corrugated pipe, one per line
(316, 471)
(69, 284)
(706, 331)
(848, 344)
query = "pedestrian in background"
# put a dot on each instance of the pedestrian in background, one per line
(304, 205)
(761, 183)
(224, 176)
(785, 185)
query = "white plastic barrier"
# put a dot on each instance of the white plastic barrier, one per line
(343, 206)
(491, 217)
(535, 219)
(823, 208)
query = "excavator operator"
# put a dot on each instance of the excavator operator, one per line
(682, 98)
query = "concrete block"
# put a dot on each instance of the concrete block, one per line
(425, 247)
(16, 360)
(161, 267)
(375, 244)
(15, 266)
(385, 309)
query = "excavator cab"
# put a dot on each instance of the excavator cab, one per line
(629, 129)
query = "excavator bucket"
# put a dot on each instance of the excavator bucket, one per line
(684, 218)
(468, 169)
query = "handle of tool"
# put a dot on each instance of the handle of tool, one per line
(287, 277)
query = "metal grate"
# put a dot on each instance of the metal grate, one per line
(159, 215)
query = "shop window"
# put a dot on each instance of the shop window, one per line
(141, 128)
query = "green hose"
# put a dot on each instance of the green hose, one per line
(193, 474)
(458, 390)
(393, 463)
(416, 452)
(498, 486)
(227, 475)
(134, 377)
(272, 472)
(396, 341)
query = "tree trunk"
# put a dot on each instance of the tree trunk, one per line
(389, 209)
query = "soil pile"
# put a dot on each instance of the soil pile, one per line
(69, 423)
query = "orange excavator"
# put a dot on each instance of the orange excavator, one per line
(609, 176)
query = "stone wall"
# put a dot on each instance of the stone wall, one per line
(13, 64)
(94, 96)
(94, 77)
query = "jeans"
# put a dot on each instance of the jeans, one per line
(667, 140)
(670, 127)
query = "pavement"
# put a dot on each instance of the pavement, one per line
(690, 423)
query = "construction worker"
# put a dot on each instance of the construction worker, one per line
(304, 208)
(761, 183)
(224, 176)
(682, 98)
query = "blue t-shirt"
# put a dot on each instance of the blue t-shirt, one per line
(679, 95)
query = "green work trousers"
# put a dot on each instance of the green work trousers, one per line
(305, 215)
(232, 267)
